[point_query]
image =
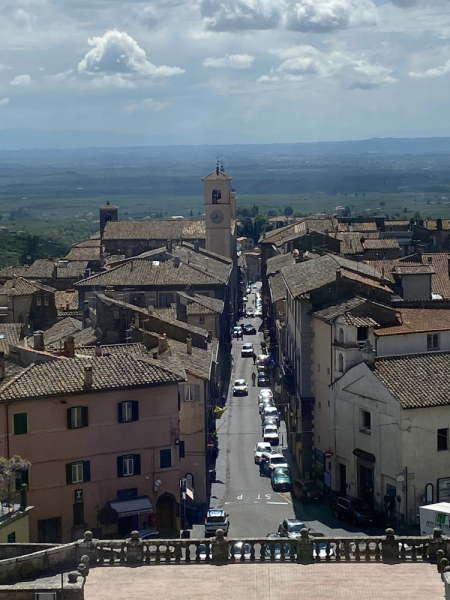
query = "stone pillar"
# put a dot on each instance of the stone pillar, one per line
(219, 548)
(87, 547)
(135, 549)
(85, 562)
(305, 548)
(389, 548)
(437, 543)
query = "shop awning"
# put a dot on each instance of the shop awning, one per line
(190, 492)
(364, 455)
(132, 506)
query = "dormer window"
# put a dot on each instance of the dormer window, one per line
(216, 196)
(363, 334)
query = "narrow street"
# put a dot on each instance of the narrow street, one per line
(254, 508)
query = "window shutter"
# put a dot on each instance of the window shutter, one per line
(86, 470)
(69, 473)
(135, 410)
(181, 447)
(69, 418)
(120, 405)
(197, 393)
(85, 416)
(136, 464)
(119, 466)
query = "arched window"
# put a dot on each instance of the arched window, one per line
(341, 335)
(190, 480)
(340, 363)
(216, 196)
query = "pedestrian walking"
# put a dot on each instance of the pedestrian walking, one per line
(254, 358)
(262, 464)
(253, 378)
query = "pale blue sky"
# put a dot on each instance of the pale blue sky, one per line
(227, 71)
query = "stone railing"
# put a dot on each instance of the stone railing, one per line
(306, 549)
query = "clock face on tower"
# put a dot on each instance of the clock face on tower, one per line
(216, 216)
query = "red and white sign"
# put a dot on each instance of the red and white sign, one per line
(328, 454)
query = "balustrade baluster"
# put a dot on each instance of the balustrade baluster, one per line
(167, 556)
(101, 556)
(122, 556)
(252, 552)
(111, 554)
(262, 556)
(357, 552)
(157, 553)
(414, 551)
(337, 551)
(377, 551)
(367, 551)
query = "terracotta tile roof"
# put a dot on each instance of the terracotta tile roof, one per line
(217, 176)
(145, 273)
(66, 376)
(198, 363)
(66, 301)
(9, 334)
(351, 241)
(114, 258)
(358, 226)
(404, 269)
(417, 320)
(84, 253)
(297, 229)
(206, 262)
(168, 312)
(155, 229)
(277, 287)
(440, 281)
(381, 244)
(60, 331)
(213, 305)
(275, 263)
(92, 242)
(397, 223)
(431, 224)
(204, 252)
(416, 380)
(24, 287)
(331, 313)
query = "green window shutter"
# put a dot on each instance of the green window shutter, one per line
(135, 410)
(86, 470)
(20, 424)
(85, 416)
(136, 464)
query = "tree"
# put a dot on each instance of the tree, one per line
(288, 211)
(247, 228)
(191, 213)
(9, 469)
(260, 224)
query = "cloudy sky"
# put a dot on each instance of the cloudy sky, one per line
(227, 71)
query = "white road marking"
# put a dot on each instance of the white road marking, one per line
(278, 503)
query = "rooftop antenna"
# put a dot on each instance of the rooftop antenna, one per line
(221, 167)
(217, 166)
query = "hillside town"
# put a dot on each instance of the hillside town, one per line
(135, 370)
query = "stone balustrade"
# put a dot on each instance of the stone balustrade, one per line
(307, 549)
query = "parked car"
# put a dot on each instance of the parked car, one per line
(273, 460)
(260, 448)
(146, 534)
(240, 388)
(249, 313)
(263, 379)
(258, 313)
(291, 528)
(216, 518)
(354, 510)
(241, 549)
(261, 361)
(247, 350)
(244, 299)
(269, 422)
(237, 331)
(270, 434)
(249, 329)
(265, 392)
(265, 402)
(281, 479)
(270, 411)
(307, 490)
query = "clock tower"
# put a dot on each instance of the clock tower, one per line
(220, 213)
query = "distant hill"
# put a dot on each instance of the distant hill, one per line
(119, 143)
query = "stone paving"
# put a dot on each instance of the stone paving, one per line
(332, 581)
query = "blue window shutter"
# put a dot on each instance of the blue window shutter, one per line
(119, 466)
(120, 405)
(86, 470)
(135, 410)
(137, 464)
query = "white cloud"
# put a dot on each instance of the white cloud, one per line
(147, 104)
(63, 76)
(21, 80)
(24, 18)
(112, 81)
(232, 61)
(145, 16)
(434, 72)
(4, 101)
(305, 60)
(4, 67)
(117, 52)
(239, 15)
(328, 15)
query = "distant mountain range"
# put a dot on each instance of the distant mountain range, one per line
(34, 139)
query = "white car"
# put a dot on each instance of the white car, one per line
(237, 331)
(257, 313)
(250, 313)
(247, 350)
(240, 388)
(270, 411)
(260, 448)
(271, 435)
(265, 392)
(274, 459)
(265, 402)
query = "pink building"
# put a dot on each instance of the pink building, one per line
(102, 435)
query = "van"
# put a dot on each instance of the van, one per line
(307, 490)
(216, 518)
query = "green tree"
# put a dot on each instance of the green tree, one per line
(288, 211)
(260, 224)
(9, 469)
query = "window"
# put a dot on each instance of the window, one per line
(78, 514)
(340, 363)
(20, 423)
(128, 411)
(165, 300)
(442, 439)
(165, 458)
(216, 196)
(77, 416)
(433, 341)
(11, 537)
(21, 478)
(38, 300)
(128, 465)
(78, 472)
(46, 300)
(366, 421)
(341, 335)
(201, 320)
(191, 393)
(362, 334)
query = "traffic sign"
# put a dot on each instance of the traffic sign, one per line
(328, 454)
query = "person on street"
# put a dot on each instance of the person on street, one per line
(262, 464)
(254, 358)
(253, 378)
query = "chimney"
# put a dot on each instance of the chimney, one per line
(55, 271)
(69, 346)
(98, 349)
(67, 306)
(189, 291)
(2, 366)
(189, 344)
(14, 281)
(88, 377)
(209, 338)
(169, 245)
(439, 224)
(430, 260)
(136, 321)
(176, 261)
(206, 263)
(162, 343)
(338, 274)
(85, 313)
(368, 354)
(38, 337)
(196, 246)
